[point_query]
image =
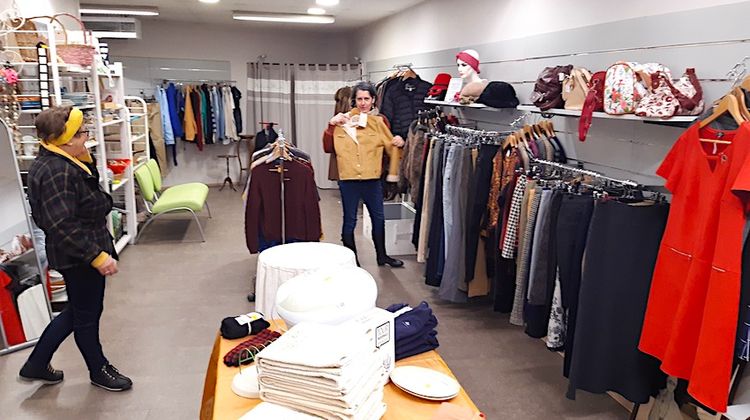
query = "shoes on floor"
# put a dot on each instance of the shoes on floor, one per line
(109, 378)
(47, 375)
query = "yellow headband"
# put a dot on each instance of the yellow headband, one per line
(75, 120)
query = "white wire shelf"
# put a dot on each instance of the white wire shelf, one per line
(111, 123)
(122, 243)
(91, 144)
(138, 137)
(120, 184)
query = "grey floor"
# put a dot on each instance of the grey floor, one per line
(163, 310)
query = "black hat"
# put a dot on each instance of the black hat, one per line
(499, 95)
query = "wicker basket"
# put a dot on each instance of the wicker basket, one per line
(79, 54)
(25, 39)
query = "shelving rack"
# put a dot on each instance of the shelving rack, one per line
(109, 130)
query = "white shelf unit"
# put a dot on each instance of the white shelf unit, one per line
(116, 139)
(456, 104)
(100, 82)
(139, 129)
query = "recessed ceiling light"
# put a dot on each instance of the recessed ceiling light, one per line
(209, 1)
(282, 17)
(98, 9)
(316, 11)
(327, 2)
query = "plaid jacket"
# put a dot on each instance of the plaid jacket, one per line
(71, 208)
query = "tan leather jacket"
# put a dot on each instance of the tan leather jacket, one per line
(362, 158)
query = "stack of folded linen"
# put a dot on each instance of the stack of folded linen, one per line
(415, 329)
(333, 372)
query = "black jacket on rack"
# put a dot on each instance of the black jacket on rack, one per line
(402, 101)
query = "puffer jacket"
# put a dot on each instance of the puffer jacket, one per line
(402, 101)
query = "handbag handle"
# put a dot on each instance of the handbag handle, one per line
(686, 102)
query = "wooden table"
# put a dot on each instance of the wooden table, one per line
(220, 403)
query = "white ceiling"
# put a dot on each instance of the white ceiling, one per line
(349, 14)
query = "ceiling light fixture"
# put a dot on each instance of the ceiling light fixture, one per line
(316, 11)
(327, 3)
(282, 17)
(99, 9)
(209, 1)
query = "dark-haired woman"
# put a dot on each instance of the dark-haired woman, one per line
(359, 140)
(68, 204)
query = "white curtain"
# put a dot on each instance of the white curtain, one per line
(269, 96)
(314, 89)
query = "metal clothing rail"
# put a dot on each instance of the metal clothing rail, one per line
(463, 131)
(585, 172)
(197, 80)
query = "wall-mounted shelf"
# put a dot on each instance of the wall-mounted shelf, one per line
(627, 117)
(456, 104)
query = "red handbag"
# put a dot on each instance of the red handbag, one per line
(594, 102)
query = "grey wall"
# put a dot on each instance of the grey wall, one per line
(678, 40)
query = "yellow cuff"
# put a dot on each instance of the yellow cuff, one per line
(100, 260)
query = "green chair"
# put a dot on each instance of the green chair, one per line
(189, 197)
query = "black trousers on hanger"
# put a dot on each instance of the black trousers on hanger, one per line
(479, 191)
(85, 288)
(436, 242)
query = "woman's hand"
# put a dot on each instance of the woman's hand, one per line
(398, 141)
(339, 119)
(109, 267)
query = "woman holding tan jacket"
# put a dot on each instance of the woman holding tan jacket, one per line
(359, 140)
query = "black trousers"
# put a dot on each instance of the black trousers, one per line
(479, 191)
(85, 288)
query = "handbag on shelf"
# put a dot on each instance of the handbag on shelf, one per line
(548, 87)
(594, 103)
(689, 94)
(26, 35)
(575, 88)
(660, 102)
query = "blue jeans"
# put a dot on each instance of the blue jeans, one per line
(371, 192)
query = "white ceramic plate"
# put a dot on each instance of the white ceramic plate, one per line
(425, 383)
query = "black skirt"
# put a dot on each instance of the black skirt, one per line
(619, 260)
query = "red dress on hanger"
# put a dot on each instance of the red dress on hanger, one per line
(691, 318)
(8, 313)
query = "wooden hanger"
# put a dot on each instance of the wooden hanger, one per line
(510, 141)
(740, 95)
(728, 104)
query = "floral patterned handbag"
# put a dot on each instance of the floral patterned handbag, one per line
(660, 102)
(621, 91)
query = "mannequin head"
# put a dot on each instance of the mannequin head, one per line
(468, 65)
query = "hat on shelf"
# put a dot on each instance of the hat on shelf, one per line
(439, 86)
(499, 95)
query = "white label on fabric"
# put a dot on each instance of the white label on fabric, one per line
(248, 318)
(362, 122)
(454, 87)
(382, 335)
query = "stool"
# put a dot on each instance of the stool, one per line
(228, 179)
(283, 262)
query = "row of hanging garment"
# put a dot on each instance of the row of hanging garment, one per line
(281, 203)
(400, 97)
(697, 322)
(200, 113)
(568, 252)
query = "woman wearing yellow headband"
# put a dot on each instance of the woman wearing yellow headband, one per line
(69, 205)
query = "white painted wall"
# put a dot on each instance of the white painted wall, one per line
(441, 24)
(167, 39)
(28, 8)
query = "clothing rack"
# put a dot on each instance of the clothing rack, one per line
(463, 131)
(582, 171)
(215, 81)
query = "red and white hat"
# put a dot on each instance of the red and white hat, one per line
(469, 57)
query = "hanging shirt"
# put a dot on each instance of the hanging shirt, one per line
(174, 118)
(693, 305)
(166, 123)
(189, 117)
(229, 123)
(236, 95)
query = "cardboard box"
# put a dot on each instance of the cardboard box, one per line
(399, 225)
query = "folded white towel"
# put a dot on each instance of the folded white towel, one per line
(365, 412)
(365, 367)
(320, 346)
(267, 410)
